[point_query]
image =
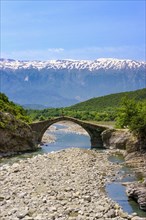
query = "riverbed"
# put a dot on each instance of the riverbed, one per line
(64, 185)
(80, 177)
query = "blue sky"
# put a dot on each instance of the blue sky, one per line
(42, 30)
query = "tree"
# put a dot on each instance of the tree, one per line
(133, 116)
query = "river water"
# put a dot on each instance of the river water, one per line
(115, 190)
(65, 140)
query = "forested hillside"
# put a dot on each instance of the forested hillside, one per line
(12, 108)
(109, 102)
(97, 109)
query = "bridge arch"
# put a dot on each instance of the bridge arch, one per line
(93, 130)
(60, 120)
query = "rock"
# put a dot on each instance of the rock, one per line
(2, 198)
(116, 138)
(87, 198)
(15, 167)
(98, 215)
(110, 213)
(52, 209)
(138, 218)
(137, 192)
(123, 139)
(22, 194)
(124, 215)
(16, 136)
(21, 214)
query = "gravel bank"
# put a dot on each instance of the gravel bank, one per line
(67, 185)
(73, 128)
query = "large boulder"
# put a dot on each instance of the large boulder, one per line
(123, 139)
(15, 135)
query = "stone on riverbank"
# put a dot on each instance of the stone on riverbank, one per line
(138, 192)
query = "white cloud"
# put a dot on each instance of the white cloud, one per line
(78, 98)
(56, 50)
(26, 79)
(89, 53)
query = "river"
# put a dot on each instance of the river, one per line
(67, 138)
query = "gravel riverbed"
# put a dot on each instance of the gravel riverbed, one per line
(66, 185)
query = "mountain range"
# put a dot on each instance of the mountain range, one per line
(59, 83)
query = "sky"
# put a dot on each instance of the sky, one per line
(77, 29)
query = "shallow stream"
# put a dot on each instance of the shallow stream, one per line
(117, 191)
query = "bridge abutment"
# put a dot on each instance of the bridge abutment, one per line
(96, 142)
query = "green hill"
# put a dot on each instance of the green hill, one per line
(12, 108)
(108, 102)
(96, 109)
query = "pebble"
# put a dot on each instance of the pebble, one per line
(60, 186)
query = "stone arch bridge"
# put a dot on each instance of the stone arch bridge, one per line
(92, 129)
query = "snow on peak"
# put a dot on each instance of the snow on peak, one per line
(101, 63)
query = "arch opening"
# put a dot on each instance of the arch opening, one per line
(65, 134)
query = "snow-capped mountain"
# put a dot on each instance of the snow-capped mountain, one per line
(64, 82)
(98, 64)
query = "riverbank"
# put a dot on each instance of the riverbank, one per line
(137, 160)
(66, 185)
(137, 190)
